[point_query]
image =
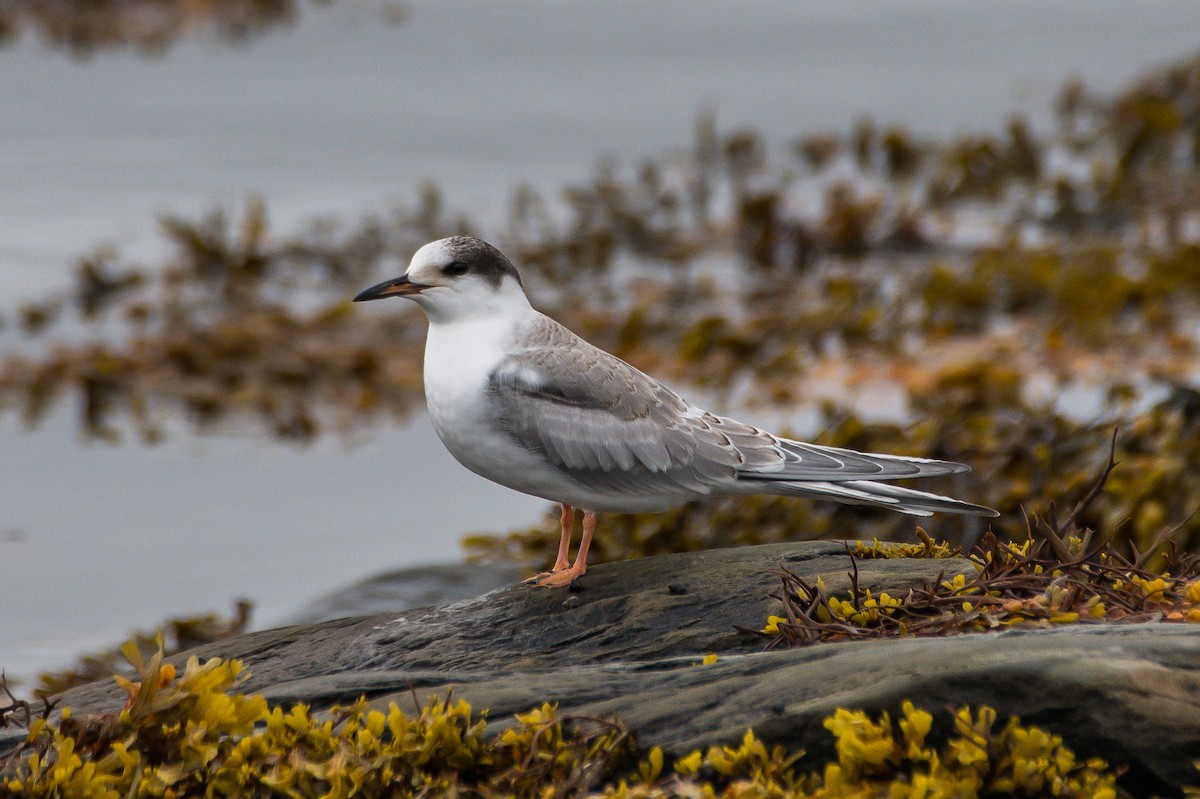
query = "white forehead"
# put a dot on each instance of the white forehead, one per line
(434, 254)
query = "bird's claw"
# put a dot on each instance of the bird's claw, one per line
(559, 578)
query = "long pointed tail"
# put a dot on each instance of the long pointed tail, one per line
(868, 492)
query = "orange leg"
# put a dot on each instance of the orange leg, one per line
(567, 522)
(562, 577)
(589, 529)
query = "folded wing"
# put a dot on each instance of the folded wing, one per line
(604, 422)
(616, 429)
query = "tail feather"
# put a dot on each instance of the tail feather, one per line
(881, 495)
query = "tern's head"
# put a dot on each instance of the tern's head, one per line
(457, 278)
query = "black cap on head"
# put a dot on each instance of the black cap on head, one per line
(482, 258)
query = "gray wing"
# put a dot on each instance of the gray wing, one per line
(605, 423)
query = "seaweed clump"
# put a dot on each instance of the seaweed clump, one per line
(879, 757)
(175, 635)
(147, 26)
(191, 734)
(927, 548)
(1014, 584)
(1055, 576)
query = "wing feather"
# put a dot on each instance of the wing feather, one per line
(882, 495)
(614, 429)
(798, 461)
(603, 422)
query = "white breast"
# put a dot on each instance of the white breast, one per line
(459, 357)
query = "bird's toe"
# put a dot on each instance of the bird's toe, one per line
(554, 579)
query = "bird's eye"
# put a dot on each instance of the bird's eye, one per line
(456, 269)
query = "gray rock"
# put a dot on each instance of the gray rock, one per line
(404, 589)
(631, 648)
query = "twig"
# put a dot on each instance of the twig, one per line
(1144, 558)
(854, 592)
(1049, 532)
(1096, 489)
(1055, 533)
(14, 705)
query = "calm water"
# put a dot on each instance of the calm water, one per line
(342, 114)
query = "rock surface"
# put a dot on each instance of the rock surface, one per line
(404, 589)
(630, 643)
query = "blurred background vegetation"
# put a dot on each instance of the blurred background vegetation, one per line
(148, 26)
(872, 305)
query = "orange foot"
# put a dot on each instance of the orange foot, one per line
(558, 578)
(561, 575)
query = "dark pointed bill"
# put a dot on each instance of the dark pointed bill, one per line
(396, 287)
